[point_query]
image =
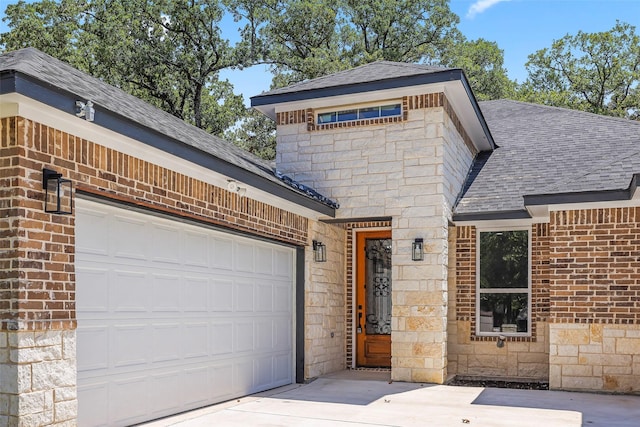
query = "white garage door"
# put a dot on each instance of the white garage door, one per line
(172, 316)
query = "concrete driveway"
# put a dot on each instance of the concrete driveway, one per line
(355, 399)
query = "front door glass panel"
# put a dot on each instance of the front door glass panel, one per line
(378, 286)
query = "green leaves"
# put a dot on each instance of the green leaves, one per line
(170, 52)
(166, 52)
(595, 72)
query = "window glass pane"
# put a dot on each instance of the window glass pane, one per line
(347, 115)
(390, 110)
(504, 259)
(503, 312)
(327, 117)
(369, 113)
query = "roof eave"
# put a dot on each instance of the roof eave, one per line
(13, 81)
(584, 196)
(266, 103)
(491, 216)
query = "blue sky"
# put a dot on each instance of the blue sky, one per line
(520, 27)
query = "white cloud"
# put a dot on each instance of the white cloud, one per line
(480, 6)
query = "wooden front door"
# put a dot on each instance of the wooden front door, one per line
(373, 298)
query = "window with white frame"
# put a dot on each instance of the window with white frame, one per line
(503, 294)
(362, 113)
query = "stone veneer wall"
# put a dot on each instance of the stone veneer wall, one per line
(325, 296)
(595, 300)
(470, 355)
(37, 276)
(397, 170)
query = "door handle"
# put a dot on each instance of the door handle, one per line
(360, 322)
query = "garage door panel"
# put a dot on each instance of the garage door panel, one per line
(195, 250)
(243, 335)
(264, 334)
(264, 260)
(222, 295)
(221, 375)
(92, 341)
(221, 338)
(195, 293)
(130, 345)
(165, 337)
(166, 242)
(130, 291)
(195, 340)
(95, 292)
(282, 369)
(244, 296)
(263, 372)
(96, 239)
(264, 297)
(128, 400)
(95, 408)
(164, 391)
(163, 296)
(244, 257)
(196, 394)
(282, 298)
(129, 238)
(282, 333)
(221, 253)
(243, 376)
(283, 264)
(206, 323)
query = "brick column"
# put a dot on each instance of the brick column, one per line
(37, 285)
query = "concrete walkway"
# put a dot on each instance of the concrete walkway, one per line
(351, 399)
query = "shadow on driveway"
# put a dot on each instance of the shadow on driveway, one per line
(601, 410)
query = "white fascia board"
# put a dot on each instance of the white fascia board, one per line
(540, 213)
(14, 104)
(631, 203)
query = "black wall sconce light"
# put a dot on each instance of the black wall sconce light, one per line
(58, 193)
(319, 251)
(417, 250)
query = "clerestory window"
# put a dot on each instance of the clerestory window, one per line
(503, 296)
(363, 113)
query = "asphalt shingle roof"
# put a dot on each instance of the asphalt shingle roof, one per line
(547, 150)
(371, 72)
(60, 75)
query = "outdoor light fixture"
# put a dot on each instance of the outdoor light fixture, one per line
(319, 251)
(417, 253)
(85, 110)
(233, 187)
(58, 193)
(500, 342)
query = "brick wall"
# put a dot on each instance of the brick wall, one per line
(473, 356)
(594, 265)
(42, 245)
(595, 299)
(37, 250)
(465, 278)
